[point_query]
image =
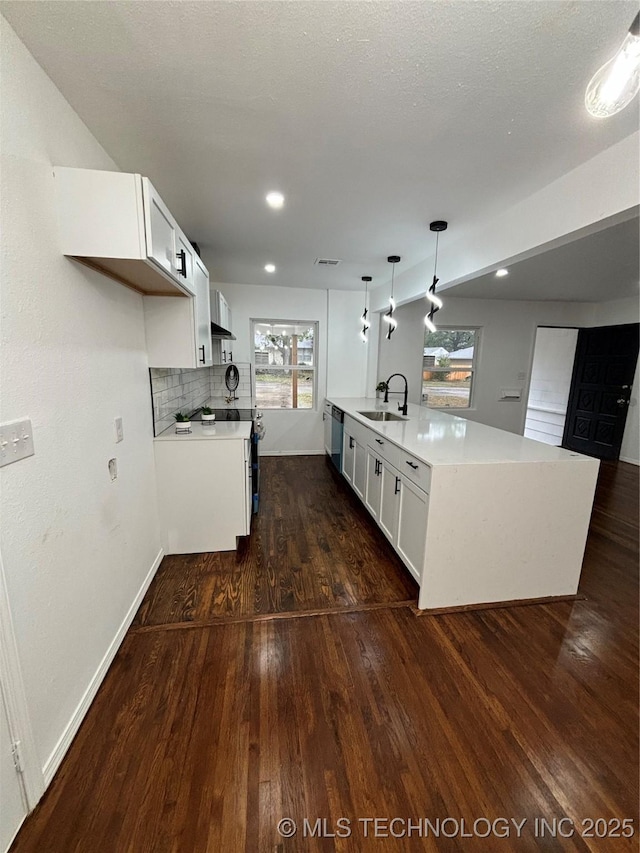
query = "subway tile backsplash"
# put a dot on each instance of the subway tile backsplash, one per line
(183, 390)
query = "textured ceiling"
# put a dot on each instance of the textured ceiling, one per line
(373, 118)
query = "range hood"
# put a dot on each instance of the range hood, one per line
(218, 332)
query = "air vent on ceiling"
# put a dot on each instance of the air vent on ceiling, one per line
(326, 262)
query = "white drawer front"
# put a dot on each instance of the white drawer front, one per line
(415, 470)
(389, 451)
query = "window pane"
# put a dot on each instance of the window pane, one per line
(447, 367)
(282, 344)
(284, 388)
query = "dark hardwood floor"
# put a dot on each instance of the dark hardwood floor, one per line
(312, 548)
(230, 705)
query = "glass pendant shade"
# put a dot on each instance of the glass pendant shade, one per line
(616, 84)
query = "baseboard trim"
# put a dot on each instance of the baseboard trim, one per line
(496, 605)
(630, 460)
(60, 749)
(292, 452)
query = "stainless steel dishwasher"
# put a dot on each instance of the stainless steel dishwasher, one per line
(337, 428)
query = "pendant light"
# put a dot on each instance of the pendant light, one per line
(616, 84)
(388, 317)
(365, 322)
(436, 303)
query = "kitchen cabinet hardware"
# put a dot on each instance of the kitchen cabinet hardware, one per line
(412, 465)
(380, 441)
(182, 257)
(202, 355)
(397, 488)
(351, 442)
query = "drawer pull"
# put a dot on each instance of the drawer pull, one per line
(411, 465)
(397, 489)
(380, 441)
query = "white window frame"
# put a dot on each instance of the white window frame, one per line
(473, 370)
(313, 369)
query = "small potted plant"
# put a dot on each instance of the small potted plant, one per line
(183, 422)
(381, 387)
(208, 414)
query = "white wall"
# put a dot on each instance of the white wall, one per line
(346, 351)
(505, 350)
(551, 371)
(341, 357)
(287, 431)
(76, 546)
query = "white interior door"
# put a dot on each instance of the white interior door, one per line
(13, 810)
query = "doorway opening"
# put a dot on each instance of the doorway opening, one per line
(551, 371)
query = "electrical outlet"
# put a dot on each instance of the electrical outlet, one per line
(113, 468)
(16, 441)
(119, 430)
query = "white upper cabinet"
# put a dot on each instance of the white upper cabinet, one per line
(178, 331)
(117, 223)
(203, 317)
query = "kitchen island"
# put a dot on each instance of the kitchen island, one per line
(479, 516)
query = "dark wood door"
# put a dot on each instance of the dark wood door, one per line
(603, 372)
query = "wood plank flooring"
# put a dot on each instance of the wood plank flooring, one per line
(312, 547)
(204, 735)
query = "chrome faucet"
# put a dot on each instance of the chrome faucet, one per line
(401, 408)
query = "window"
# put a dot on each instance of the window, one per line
(284, 362)
(448, 367)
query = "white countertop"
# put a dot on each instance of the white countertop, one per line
(438, 438)
(202, 431)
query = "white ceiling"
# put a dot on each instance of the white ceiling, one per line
(373, 118)
(597, 268)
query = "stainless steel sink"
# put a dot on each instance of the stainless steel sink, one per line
(382, 416)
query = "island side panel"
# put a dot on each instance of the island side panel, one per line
(507, 531)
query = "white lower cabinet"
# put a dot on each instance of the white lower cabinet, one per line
(413, 509)
(374, 483)
(204, 493)
(389, 490)
(397, 499)
(360, 469)
(348, 456)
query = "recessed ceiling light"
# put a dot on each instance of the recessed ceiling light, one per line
(501, 273)
(275, 200)
(269, 267)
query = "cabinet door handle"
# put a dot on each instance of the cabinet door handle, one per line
(224, 356)
(378, 467)
(230, 356)
(182, 257)
(202, 359)
(411, 465)
(350, 443)
(397, 488)
(380, 441)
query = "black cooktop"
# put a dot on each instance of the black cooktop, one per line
(228, 415)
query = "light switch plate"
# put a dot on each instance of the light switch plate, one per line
(119, 430)
(16, 441)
